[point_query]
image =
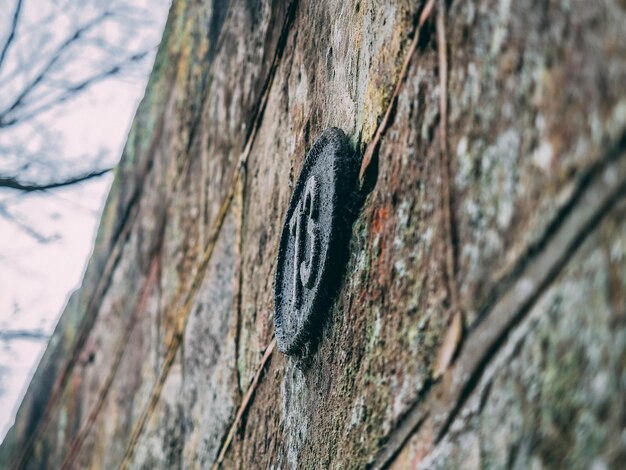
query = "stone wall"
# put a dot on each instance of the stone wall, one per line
(481, 319)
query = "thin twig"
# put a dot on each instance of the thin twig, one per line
(454, 332)
(10, 182)
(444, 161)
(58, 54)
(373, 146)
(33, 335)
(72, 91)
(24, 227)
(245, 403)
(11, 36)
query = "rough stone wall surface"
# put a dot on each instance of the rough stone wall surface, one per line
(492, 228)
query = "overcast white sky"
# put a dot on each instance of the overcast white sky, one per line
(36, 278)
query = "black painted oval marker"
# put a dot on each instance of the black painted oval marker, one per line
(314, 239)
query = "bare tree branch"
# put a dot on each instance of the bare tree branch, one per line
(51, 56)
(32, 335)
(56, 56)
(73, 90)
(11, 36)
(24, 227)
(10, 182)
